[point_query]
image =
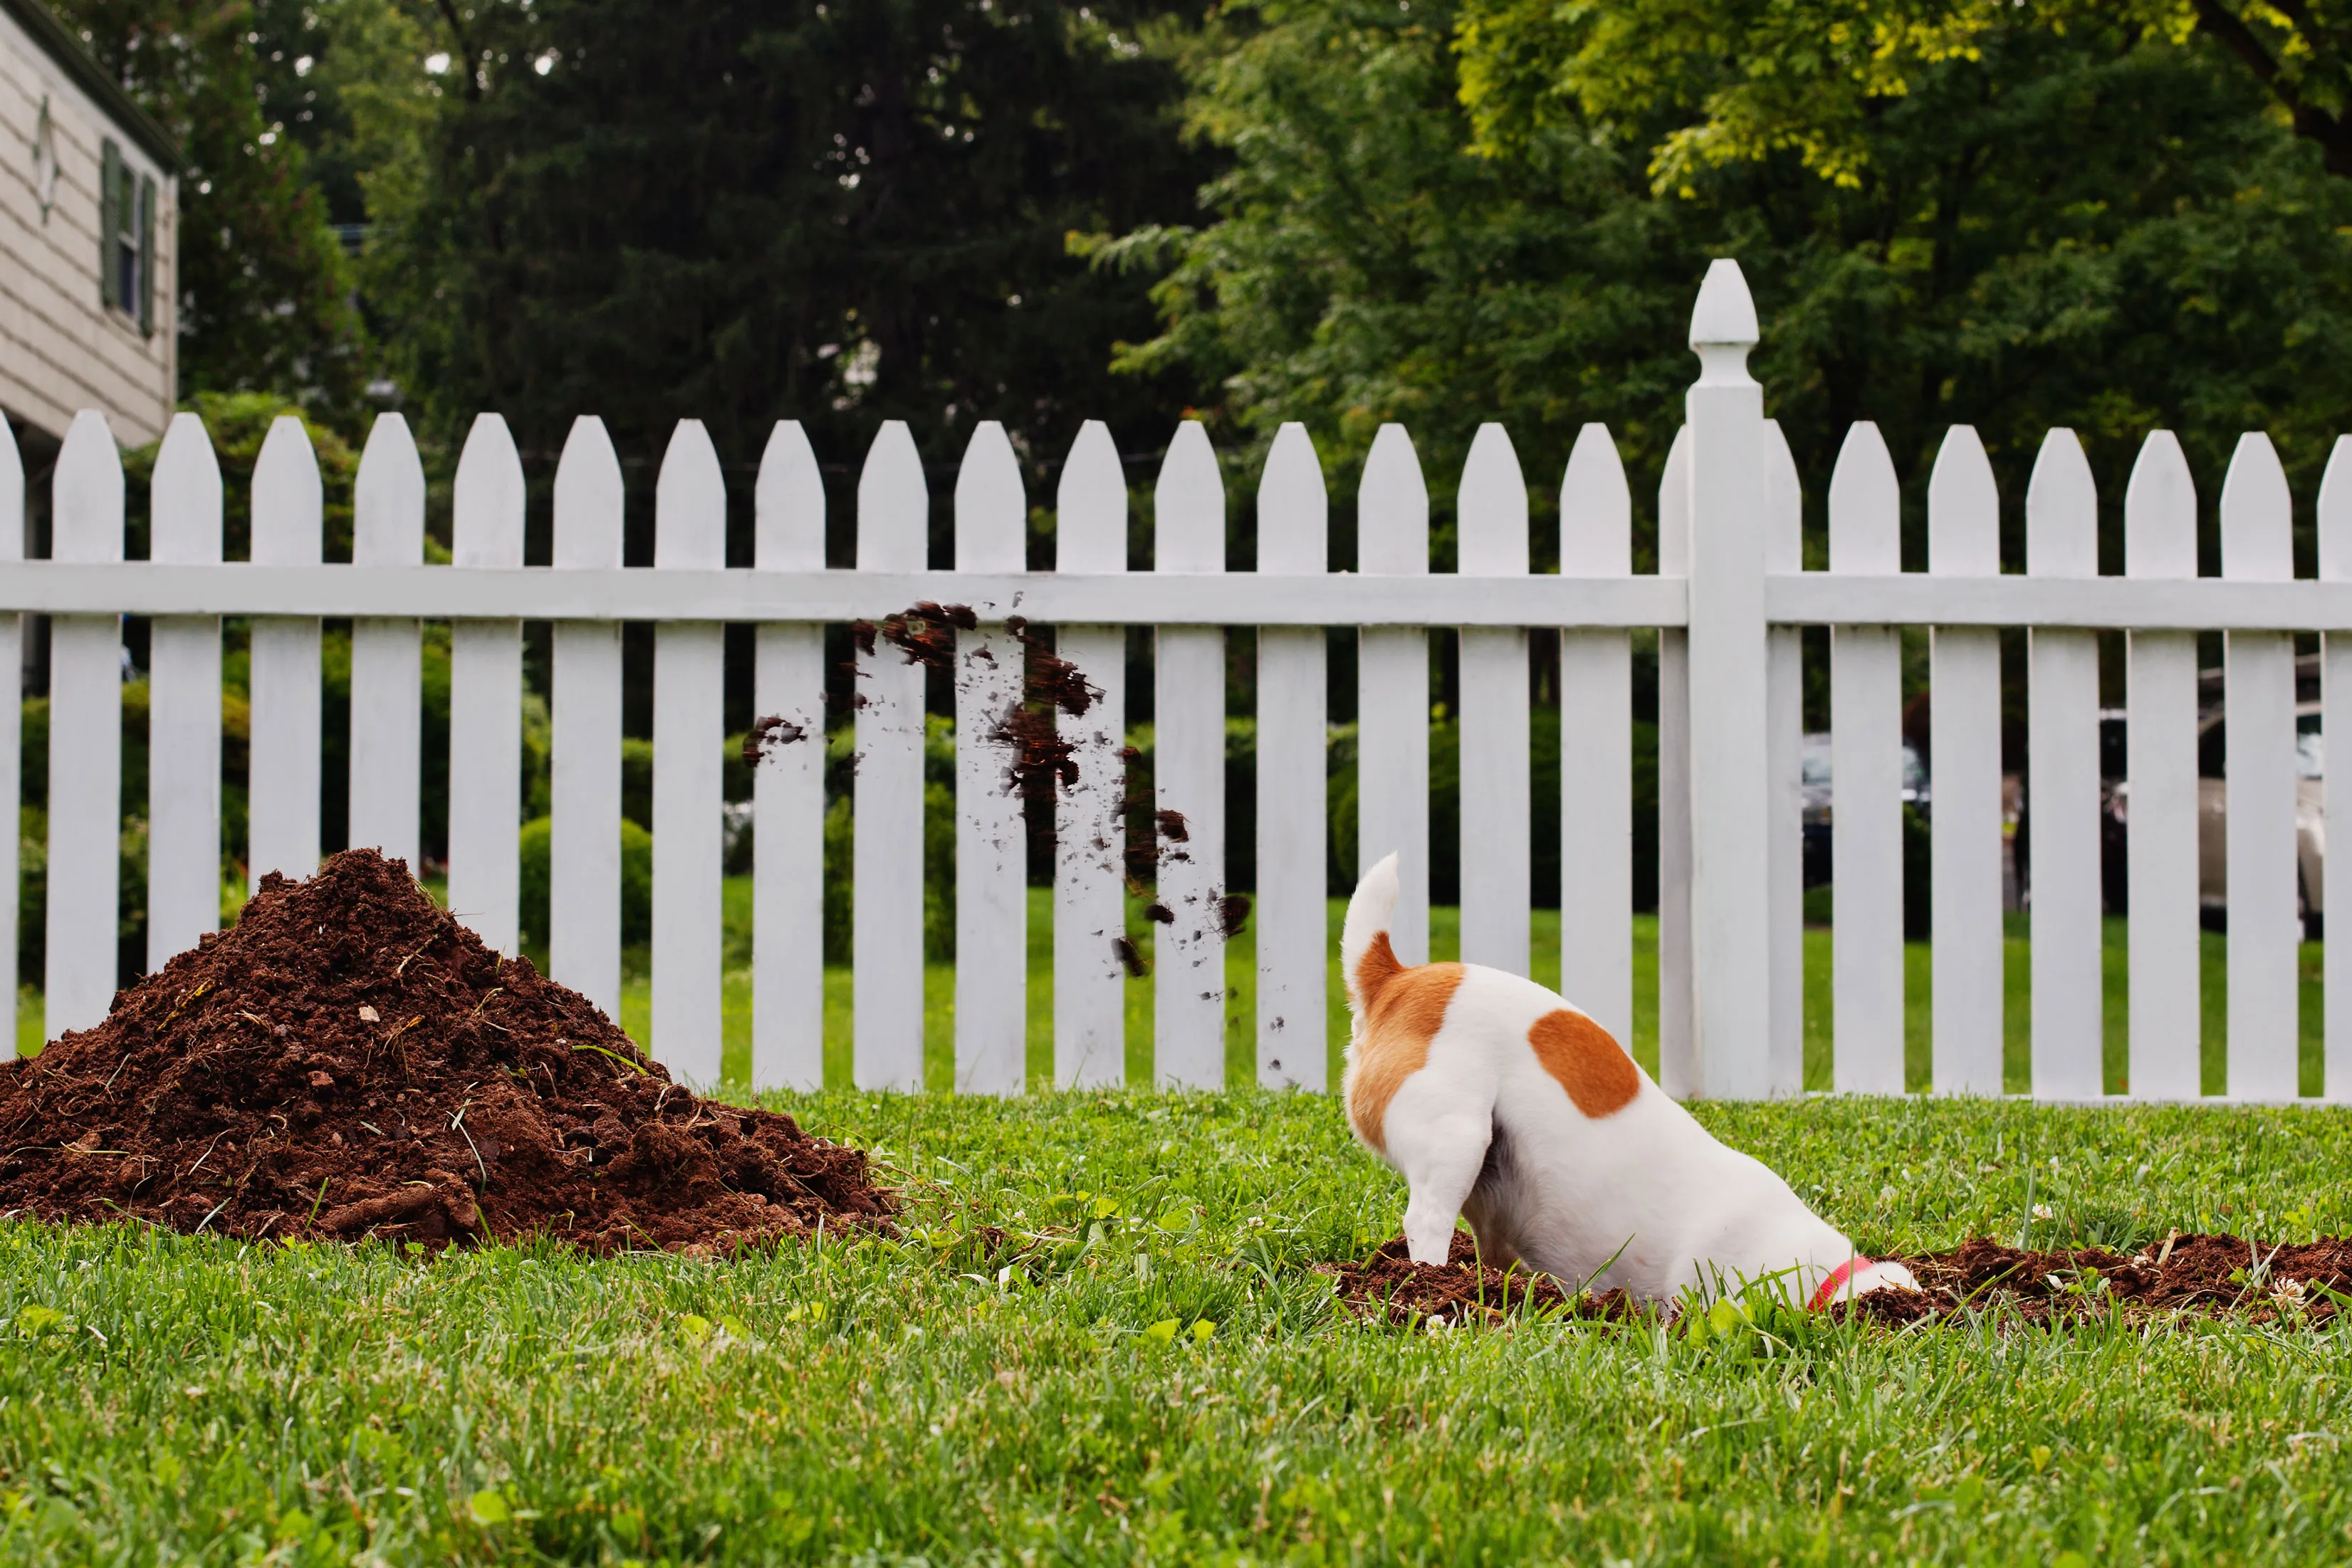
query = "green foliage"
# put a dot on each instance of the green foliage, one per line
(636, 882)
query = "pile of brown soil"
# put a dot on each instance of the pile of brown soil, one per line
(348, 1062)
(1389, 1287)
(2203, 1274)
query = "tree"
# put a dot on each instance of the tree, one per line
(264, 290)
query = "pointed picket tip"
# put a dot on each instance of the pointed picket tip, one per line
(289, 501)
(1784, 503)
(1189, 504)
(591, 498)
(788, 500)
(1963, 508)
(894, 504)
(2160, 511)
(1596, 507)
(2062, 510)
(1865, 504)
(388, 501)
(1675, 506)
(2257, 513)
(86, 493)
(184, 495)
(1293, 506)
(690, 501)
(1492, 507)
(992, 505)
(486, 499)
(2336, 512)
(1090, 505)
(1392, 507)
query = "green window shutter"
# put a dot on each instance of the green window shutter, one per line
(147, 254)
(109, 209)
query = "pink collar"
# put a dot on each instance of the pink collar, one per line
(1837, 1279)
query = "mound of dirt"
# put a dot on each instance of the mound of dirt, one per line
(348, 1062)
(2206, 1274)
(1389, 1287)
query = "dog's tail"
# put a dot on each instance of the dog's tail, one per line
(1366, 959)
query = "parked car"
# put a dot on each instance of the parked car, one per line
(1814, 785)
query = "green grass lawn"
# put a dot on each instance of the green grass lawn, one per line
(1175, 1386)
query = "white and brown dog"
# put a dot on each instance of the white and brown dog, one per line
(1500, 1102)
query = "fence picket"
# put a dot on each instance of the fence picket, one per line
(1784, 727)
(886, 920)
(1090, 828)
(689, 786)
(387, 676)
(2335, 686)
(85, 740)
(2062, 538)
(184, 722)
(11, 735)
(1496, 814)
(1393, 691)
(1293, 533)
(486, 697)
(1866, 780)
(788, 784)
(1189, 777)
(2160, 771)
(282, 790)
(2257, 545)
(1596, 747)
(992, 527)
(583, 844)
(1964, 761)
(1677, 1045)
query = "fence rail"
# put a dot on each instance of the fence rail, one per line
(1726, 604)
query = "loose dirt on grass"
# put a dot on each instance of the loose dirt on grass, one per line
(2206, 1275)
(350, 1061)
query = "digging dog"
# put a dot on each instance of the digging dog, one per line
(1500, 1102)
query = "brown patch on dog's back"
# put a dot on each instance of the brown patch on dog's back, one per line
(1402, 1014)
(1598, 1075)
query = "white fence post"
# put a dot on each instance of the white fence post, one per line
(1293, 535)
(1964, 760)
(2336, 678)
(85, 740)
(282, 780)
(1784, 727)
(2160, 771)
(1497, 817)
(1189, 778)
(183, 711)
(1866, 779)
(689, 783)
(1090, 826)
(1393, 691)
(788, 784)
(1677, 1039)
(2257, 545)
(12, 737)
(2061, 540)
(893, 523)
(992, 909)
(1730, 950)
(1596, 747)
(387, 674)
(486, 697)
(583, 841)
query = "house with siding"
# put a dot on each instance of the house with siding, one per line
(89, 242)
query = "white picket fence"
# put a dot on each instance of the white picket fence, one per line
(1728, 599)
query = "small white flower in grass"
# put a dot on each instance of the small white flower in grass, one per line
(2290, 1296)
(2042, 1211)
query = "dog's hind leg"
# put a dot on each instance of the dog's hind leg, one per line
(1439, 1142)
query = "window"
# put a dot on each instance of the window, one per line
(126, 243)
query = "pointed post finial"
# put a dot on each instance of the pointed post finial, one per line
(1722, 325)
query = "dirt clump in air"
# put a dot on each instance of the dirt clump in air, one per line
(350, 1061)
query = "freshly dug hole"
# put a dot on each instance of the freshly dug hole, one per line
(348, 1062)
(2205, 1274)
